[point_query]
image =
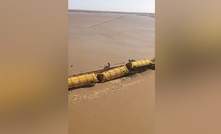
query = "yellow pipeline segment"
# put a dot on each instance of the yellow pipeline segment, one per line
(112, 74)
(80, 80)
(140, 63)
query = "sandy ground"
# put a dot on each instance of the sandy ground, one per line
(122, 106)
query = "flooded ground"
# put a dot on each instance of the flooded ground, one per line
(121, 106)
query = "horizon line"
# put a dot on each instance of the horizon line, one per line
(107, 11)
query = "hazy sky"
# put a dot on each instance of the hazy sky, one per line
(114, 5)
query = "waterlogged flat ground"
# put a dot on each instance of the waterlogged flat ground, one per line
(121, 106)
(98, 38)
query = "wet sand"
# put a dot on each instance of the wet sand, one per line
(122, 106)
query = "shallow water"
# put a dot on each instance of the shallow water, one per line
(122, 106)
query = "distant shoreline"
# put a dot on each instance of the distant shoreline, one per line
(94, 11)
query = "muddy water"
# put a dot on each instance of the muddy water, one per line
(130, 37)
(123, 106)
(126, 111)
